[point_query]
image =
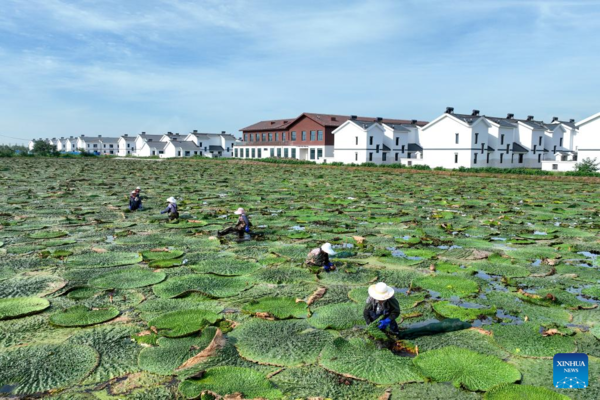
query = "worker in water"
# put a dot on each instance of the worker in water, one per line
(135, 202)
(382, 303)
(171, 209)
(241, 227)
(320, 257)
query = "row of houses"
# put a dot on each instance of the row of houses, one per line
(167, 145)
(452, 140)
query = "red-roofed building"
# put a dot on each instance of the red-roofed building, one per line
(306, 137)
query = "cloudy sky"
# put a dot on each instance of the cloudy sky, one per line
(110, 67)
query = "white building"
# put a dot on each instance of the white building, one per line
(381, 141)
(110, 146)
(587, 141)
(126, 146)
(200, 144)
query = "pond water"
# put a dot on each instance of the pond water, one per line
(297, 228)
(539, 233)
(110, 239)
(7, 388)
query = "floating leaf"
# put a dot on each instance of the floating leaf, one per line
(83, 316)
(182, 323)
(128, 279)
(21, 306)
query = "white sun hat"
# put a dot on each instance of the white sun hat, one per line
(171, 200)
(328, 249)
(239, 211)
(133, 192)
(381, 291)
(138, 188)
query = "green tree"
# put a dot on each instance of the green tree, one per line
(587, 165)
(6, 151)
(42, 148)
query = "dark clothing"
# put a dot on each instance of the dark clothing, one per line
(172, 210)
(239, 227)
(318, 257)
(135, 202)
(388, 309)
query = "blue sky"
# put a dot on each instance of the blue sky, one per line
(113, 67)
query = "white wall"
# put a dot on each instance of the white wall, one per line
(588, 140)
(560, 166)
(439, 143)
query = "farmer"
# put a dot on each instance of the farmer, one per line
(320, 257)
(171, 209)
(135, 202)
(242, 226)
(381, 303)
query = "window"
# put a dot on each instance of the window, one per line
(276, 136)
(512, 158)
(487, 159)
(319, 154)
(195, 153)
(304, 136)
(397, 141)
(111, 146)
(319, 135)
(370, 140)
(283, 135)
(539, 158)
(561, 142)
(475, 158)
(383, 156)
(507, 146)
(228, 149)
(264, 137)
(355, 156)
(409, 155)
(200, 145)
(201, 153)
(540, 141)
(187, 153)
(409, 163)
(396, 157)
(236, 153)
(313, 135)
(554, 151)
(153, 152)
(502, 139)
(456, 138)
(476, 137)
(127, 144)
(370, 156)
(555, 167)
(279, 152)
(377, 149)
(520, 158)
(357, 140)
(403, 149)
(259, 153)
(95, 146)
(271, 152)
(293, 153)
(247, 153)
(456, 156)
(501, 157)
(482, 147)
(293, 135)
(270, 137)
(312, 153)
(534, 148)
(285, 153)
(253, 153)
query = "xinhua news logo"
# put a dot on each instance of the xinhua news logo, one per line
(570, 371)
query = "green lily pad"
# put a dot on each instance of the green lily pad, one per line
(183, 322)
(21, 306)
(103, 260)
(278, 307)
(509, 391)
(226, 266)
(161, 255)
(337, 316)
(449, 310)
(363, 360)
(83, 316)
(207, 284)
(526, 340)
(448, 285)
(128, 279)
(466, 368)
(230, 380)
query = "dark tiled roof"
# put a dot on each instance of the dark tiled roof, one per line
(517, 148)
(489, 148)
(385, 148)
(501, 121)
(109, 140)
(330, 120)
(152, 137)
(215, 148)
(185, 145)
(414, 147)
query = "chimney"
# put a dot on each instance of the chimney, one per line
(70, 137)
(143, 133)
(272, 122)
(413, 121)
(353, 117)
(554, 119)
(62, 137)
(195, 130)
(572, 121)
(334, 118)
(223, 132)
(475, 113)
(449, 110)
(510, 116)
(177, 133)
(99, 135)
(285, 122)
(125, 135)
(379, 119)
(530, 118)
